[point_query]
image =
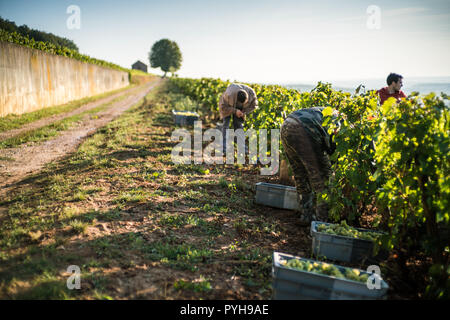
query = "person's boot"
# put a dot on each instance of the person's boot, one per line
(307, 209)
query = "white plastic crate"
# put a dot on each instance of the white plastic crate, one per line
(276, 195)
(184, 120)
(292, 284)
(341, 248)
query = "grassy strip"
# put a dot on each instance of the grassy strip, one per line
(135, 72)
(122, 211)
(13, 121)
(27, 219)
(46, 132)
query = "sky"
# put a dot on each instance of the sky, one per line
(282, 41)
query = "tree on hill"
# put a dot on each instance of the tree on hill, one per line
(165, 54)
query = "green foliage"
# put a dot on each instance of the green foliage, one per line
(413, 159)
(185, 103)
(274, 102)
(439, 283)
(270, 111)
(199, 286)
(392, 158)
(17, 38)
(395, 156)
(184, 257)
(37, 35)
(343, 229)
(165, 54)
(350, 187)
(79, 226)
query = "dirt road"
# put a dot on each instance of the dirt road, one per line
(17, 163)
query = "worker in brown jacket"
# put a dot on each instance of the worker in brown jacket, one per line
(236, 102)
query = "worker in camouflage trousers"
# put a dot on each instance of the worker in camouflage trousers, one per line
(307, 146)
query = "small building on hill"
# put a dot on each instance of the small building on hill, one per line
(138, 65)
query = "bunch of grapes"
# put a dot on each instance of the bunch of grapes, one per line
(343, 229)
(325, 268)
(186, 113)
(355, 275)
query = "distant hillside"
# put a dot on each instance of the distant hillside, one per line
(37, 35)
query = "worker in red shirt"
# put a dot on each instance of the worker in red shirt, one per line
(395, 82)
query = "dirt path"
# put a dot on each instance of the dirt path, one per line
(48, 120)
(30, 159)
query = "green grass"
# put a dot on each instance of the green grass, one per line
(6, 159)
(137, 195)
(78, 226)
(257, 273)
(14, 121)
(113, 208)
(200, 226)
(46, 289)
(182, 256)
(203, 285)
(53, 202)
(25, 208)
(135, 72)
(46, 132)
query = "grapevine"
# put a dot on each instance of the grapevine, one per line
(16, 38)
(343, 229)
(391, 162)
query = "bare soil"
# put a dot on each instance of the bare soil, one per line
(17, 163)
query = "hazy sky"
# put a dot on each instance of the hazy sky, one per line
(258, 41)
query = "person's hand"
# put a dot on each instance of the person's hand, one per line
(239, 113)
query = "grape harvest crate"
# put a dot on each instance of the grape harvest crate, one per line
(183, 119)
(341, 248)
(292, 284)
(276, 195)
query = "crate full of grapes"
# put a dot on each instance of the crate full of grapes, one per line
(341, 242)
(185, 118)
(276, 195)
(296, 278)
